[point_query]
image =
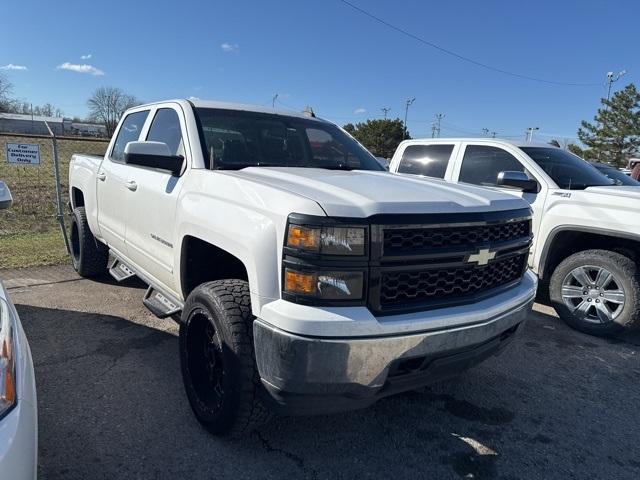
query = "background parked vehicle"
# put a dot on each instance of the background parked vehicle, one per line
(586, 229)
(305, 278)
(18, 407)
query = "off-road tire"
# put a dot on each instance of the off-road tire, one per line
(226, 305)
(625, 271)
(88, 256)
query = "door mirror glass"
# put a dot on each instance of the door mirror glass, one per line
(153, 155)
(519, 180)
(5, 196)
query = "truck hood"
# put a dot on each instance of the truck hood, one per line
(617, 191)
(362, 193)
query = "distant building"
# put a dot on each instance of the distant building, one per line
(19, 123)
(88, 129)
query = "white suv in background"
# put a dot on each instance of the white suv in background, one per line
(586, 229)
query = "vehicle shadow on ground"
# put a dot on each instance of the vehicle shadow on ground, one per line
(111, 405)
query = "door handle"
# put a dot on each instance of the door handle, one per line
(131, 185)
(101, 176)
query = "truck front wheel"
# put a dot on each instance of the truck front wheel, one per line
(597, 291)
(89, 257)
(217, 358)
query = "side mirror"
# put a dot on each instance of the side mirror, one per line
(153, 155)
(519, 180)
(5, 196)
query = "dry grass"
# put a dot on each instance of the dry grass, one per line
(29, 233)
(30, 249)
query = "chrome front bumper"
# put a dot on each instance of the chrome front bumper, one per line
(307, 375)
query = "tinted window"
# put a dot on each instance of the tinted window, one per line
(239, 139)
(566, 169)
(482, 164)
(429, 160)
(129, 132)
(620, 178)
(166, 128)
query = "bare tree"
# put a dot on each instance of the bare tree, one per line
(5, 91)
(107, 104)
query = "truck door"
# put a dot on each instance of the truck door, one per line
(481, 164)
(152, 203)
(110, 183)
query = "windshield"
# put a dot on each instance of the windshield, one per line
(620, 178)
(237, 139)
(569, 171)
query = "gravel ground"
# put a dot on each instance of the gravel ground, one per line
(557, 404)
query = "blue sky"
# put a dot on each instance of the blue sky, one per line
(328, 55)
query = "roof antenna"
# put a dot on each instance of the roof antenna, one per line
(308, 111)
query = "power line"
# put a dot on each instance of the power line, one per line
(462, 57)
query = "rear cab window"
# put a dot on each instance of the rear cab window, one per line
(428, 160)
(129, 132)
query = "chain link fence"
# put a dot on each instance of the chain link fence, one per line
(29, 231)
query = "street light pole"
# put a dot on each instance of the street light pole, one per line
(439, 118)
(529, 132)
(406, 113)
(612, 77)
(385, 110)
(273, 101)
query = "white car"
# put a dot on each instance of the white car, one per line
(306, 278)
(586, 226)
(18, 407)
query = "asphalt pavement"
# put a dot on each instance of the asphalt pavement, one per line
(556, 404)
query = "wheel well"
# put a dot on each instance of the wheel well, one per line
(202, 262)
(568, 242)
(77, 197)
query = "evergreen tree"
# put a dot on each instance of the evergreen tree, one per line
(615, 135)
(381, 137)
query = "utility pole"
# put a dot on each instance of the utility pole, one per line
(612, 77)
(439, 117)
(406, 113)
(273, 101)
(485, 132)
(529, 133)
(493, 134)
(385, 110)
(434, 129)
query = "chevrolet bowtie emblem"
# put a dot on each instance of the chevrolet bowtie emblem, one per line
(483, 257)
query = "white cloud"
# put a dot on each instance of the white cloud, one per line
(230, 47)
(360, 110)
(11, 66)
(84, 68)
(86, 56)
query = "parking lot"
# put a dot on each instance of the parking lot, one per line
(558, 404)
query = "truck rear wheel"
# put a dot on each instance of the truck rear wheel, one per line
(89, 257)
(217, 358)
(597, 291)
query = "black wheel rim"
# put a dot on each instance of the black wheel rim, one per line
(75, 242)
(205, 362)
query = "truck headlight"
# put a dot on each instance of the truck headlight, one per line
(324, 285)
(8, 395)
(327, 240)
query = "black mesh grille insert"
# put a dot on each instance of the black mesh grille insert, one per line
(406, 287)
(402, 241)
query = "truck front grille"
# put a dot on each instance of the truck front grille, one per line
(418, 239)
(442, 284)
(420, 266)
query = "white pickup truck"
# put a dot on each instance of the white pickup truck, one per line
(586, 222)
(305, 278)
